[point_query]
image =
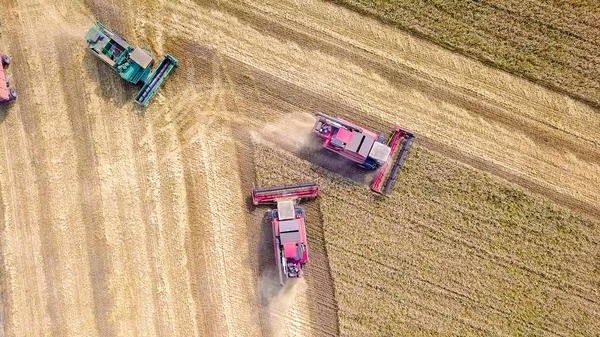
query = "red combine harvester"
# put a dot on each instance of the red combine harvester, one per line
(364, 147)
(7, 95)
(288, 224)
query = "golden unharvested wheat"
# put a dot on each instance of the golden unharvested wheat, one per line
(552, 43)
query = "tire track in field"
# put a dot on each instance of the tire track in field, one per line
(129, 229)
(180, 120)
(89, 193)
(169, 129)
(229, 235)
(173, 198)
(149, 209)
(169, 194)
(53, 219)
(21, 238)
(207, 305)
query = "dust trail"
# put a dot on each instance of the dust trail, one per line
(277, 300)
(292, 132)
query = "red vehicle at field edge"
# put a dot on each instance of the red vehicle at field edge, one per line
(7, 95)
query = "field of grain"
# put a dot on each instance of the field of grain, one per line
(121, 221)
(556, 43)
(451, 251)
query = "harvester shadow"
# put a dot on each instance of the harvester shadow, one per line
(267, 271)
(3, 113)
(251, 209)
(110, 85)
(268, 282)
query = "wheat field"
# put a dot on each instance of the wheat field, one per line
(121, 221)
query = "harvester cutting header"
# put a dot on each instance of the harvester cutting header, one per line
(364, 147)
(288, 223)
(134, 65)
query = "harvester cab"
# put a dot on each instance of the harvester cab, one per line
(133, 64)
(288, 223)
(367, 149)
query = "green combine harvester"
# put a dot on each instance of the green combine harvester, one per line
(134, 65)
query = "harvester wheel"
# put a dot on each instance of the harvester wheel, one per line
(5, 61)
(12, 94)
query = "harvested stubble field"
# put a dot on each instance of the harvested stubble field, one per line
(556, 43)
(120, 222)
